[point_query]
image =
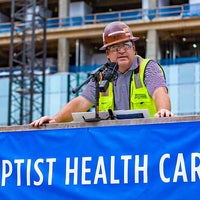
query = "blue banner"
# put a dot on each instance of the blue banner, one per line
(150, 161)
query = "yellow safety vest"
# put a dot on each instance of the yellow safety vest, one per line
(139, 96)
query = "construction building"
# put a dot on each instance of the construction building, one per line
(169, 32)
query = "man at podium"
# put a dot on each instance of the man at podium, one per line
(138, 83)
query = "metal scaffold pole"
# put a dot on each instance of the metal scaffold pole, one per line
(27, 60)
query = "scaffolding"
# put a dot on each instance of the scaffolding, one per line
(27, 60)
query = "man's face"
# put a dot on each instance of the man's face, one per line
(123, 54)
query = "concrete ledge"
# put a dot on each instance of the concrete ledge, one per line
(100, 123)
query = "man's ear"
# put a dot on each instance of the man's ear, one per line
(134, 49)
(107, 54)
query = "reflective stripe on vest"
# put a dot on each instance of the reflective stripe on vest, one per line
(140, 98)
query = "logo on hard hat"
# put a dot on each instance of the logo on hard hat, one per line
(127, 32)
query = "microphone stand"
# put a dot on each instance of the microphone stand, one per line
(96, 78)
(96, 118)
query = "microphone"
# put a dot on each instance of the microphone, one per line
(92, 75)
(108, 75)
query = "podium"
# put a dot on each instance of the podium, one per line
(114, 115)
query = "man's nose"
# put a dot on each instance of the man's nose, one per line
(121, 49)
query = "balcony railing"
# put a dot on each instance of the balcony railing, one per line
(5, 72)
(182, 11)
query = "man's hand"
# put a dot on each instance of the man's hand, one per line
(43, 120)
(164, 113)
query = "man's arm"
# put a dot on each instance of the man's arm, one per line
(162, 101)
(78, 104)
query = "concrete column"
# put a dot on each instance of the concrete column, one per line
(63, 43)
(63, 55)
(64, 8)
(149, 4)
(146, 5)
(83, 54)
(152, 45)
(77, 53)
(152, 42)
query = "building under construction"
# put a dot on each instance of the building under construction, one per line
(49, 47)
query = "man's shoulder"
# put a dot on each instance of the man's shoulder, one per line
(150, 62)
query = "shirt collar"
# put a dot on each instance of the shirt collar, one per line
(135, 63)
(133, 66)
